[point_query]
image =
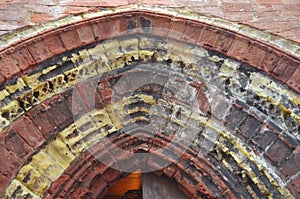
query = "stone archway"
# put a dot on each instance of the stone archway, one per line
(248, 139)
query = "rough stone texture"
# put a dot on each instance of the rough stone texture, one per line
(275, 62)
(251, 149)
(279, 17)
(29, 132)
(54, 119)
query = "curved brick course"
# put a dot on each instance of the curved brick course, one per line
(280, 17)
(242, 48)
(257, 120)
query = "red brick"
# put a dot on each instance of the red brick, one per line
(133, 1)
(236, 7)
(294, 187)
(78, 192)
(85, 33)
(271, 2)
(177, 176)
(291, 34)
(70, 38)
(201, 188)
(192, 31)
(235, 118)
(9, 163)
(29, 132)
(264, 24)
(169, 171)
(160, 25)
(202, 100)
(208, 37)
(190, 189)
(270, 61)
(96, 148)
(39, 18)
(44, 122)
(100, 167)
(294, 81)
(8, 68)
(111, 175)
(100, 28)
(76, 165)
(4, 182)
(158, 172)
(104, 157)
(285, 69)
(88, 177)
(114, 26)
(187, 192)
(268, 19)
(14, 143)
(39, 51)
(49, 196)
(264, 138)
(106, 92)
(210, 7)
(290, 3)
(81, 171)
(291, 166)
(60, 112)
(106, 28)
(87, 92)
(129, 23)
(54, 44)
(239, 48)
(278, 151)
(97, 187)
(224, 41)
(89, 3)
(256, 53)
(114, 3)
(22, 57)
(71, 183)
(2, 79)
(249, 127)
(99, 96)
(58, 184)
(78, 10)
(74, 103)
(119, 155)
(158, 161)
(177, 28)
(237, 16)
(160, 2)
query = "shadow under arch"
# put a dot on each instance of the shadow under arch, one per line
(93, 177)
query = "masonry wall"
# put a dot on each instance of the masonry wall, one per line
(244, 139)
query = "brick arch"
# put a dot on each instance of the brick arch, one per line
(93, 177)
(35, 54)
(18, 57)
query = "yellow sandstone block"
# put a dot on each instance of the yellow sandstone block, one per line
(60, 152)
(49, 69)
(112, 49)
(3, 94)
(46, 165)
(32, 80)
(97, 53)
(73, 139)
(17, 190)
(32, 179)
(146, 43)
(18, 86)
